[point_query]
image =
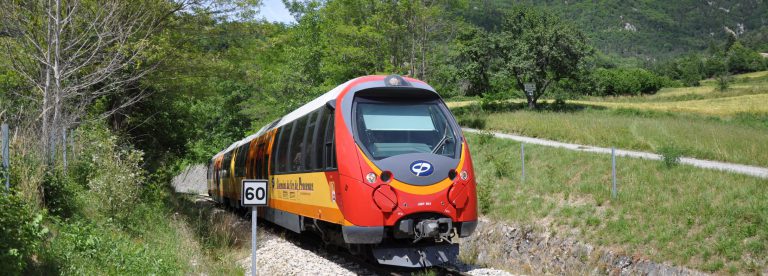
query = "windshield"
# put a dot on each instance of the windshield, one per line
(387, 129)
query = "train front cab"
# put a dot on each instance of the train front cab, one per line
(405, 169)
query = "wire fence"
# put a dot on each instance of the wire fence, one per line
(67, 151)
(6, 155)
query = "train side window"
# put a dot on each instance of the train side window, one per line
(309, 143)
(226, 166)
(318, 139)
(240, 158)
(281, 160)
(296, 144)
(264, 171)
(330, 145)
(275, 147)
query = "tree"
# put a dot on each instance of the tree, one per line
(741, 59)
(74, 52)
(475, 55)
(538, 47)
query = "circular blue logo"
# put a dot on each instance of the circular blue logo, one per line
(422, 168)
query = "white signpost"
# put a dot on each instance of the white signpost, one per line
(254, 194)
(529, 88)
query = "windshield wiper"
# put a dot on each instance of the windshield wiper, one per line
(446, 138)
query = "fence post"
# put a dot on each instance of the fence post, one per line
(72, 143)
(522, 157)
(64, 148)
(613, 172)
(6, 157)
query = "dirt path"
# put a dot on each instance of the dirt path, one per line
(706, 164)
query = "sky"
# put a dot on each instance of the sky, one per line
(275, 11)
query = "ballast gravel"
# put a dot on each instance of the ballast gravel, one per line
(276, 256)
(279, 257)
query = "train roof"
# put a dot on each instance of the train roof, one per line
(293, 115)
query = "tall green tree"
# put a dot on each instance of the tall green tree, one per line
(537, 47)
(475, 56)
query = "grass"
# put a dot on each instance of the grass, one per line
(709, 106)
(704, 219)
(732, 140)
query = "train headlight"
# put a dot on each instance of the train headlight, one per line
(371, 177)
(464, 175)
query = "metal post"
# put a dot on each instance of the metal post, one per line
(72, 143)
(52, 161)
(254, 215)
(64, 148)
(613, 172)
(6, 157)
(522, 157)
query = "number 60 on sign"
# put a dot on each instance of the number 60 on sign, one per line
(254, 192)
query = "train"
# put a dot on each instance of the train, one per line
(377, 165)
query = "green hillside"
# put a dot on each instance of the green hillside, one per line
(652, 28)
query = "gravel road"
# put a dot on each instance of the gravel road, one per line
(706, 164)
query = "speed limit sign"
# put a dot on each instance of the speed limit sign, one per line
(254, 192)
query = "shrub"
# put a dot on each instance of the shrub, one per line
(87, 248)
(501, 164)
(112, 175)
(484, 197)
(632, 81)
(723, 82)
(473, 121)
(485, 137)
(670, 155)
(61, 195)
(21, 233)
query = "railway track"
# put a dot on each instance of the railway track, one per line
(340, 256)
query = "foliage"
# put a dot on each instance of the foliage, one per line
(62, 195)
(475, 57)
(82, 247)
(476, 121)
(670, 155)
(113, 184)
(537, 47)
(723, 82)
(650, 30)
(485, 136)
(21, 233)
(742, 60)
(617, 82)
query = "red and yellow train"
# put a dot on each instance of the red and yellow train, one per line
(378, 164)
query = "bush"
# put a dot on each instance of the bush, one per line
(484, 197)
(485, 137)
(670, 155)
(112, 175)
(473, 121)
(618, 82)
(87, 248)
(723, 82)
(61, 195)
(21, 233)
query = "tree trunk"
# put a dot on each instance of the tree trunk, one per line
(531, 104)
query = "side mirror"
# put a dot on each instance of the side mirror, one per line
(331, 104)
